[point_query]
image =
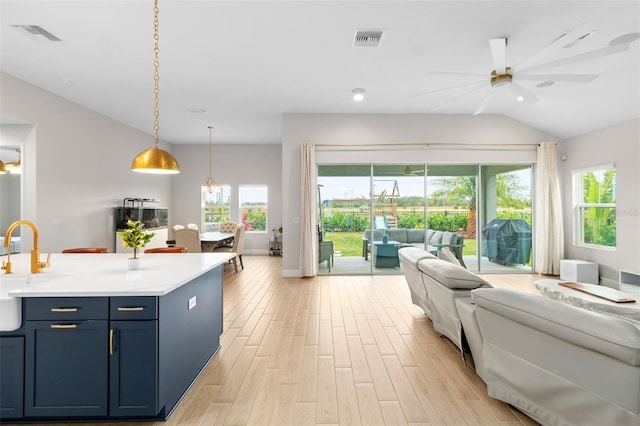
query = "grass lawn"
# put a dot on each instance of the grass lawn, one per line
(350, 243)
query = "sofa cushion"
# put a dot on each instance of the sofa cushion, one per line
(399, 235)
(608, 334)
(415, 236)
(449, 238)
(430, 233)
(450, 275)
(436, 238)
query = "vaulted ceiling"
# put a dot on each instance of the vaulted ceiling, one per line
(239, 65)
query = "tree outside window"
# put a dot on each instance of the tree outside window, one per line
(595, 195)
(216, 207)
(253, 207)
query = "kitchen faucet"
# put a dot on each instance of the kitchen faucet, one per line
(36, 265)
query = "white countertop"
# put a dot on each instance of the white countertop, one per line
(92, 275)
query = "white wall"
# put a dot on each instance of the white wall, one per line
(232, 165)
(373, 129)
(77, 168)
(619, 144)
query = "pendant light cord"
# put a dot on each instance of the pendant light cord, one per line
(210, 151)
(156, 77)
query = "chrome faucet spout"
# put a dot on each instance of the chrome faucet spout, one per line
(36, 265)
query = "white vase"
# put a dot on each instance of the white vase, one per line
(133, 264)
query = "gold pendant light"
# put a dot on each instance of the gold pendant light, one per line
(210, 185)
(3, 171)
(155, 160)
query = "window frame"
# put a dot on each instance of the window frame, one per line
(241, 208)
(214, 226)
(579, 205)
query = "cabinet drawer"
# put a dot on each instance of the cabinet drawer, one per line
(134, 308)
(66, 308)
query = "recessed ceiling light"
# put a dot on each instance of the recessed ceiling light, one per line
(520, 98)
(358, 94)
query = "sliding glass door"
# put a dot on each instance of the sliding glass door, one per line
(367, 212)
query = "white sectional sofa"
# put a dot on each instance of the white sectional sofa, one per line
(435, 284)
(557, 363)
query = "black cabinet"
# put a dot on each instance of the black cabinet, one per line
(11, 379)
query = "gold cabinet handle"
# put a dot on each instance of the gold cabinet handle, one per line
(64, 309)
(111, 342)
(63, 326)
(137, 308)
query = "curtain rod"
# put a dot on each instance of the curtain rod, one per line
(427, 145)
(453, 146)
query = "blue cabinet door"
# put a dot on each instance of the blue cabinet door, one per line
(66, 369)
(11, 379)
(133, 363)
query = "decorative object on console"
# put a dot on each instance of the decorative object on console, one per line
(134, 237)
(155, 160)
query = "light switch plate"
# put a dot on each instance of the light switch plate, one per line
(192, 303)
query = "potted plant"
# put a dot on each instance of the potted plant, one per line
(134, 237)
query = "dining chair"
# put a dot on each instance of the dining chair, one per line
(175, 249)
(228, 227)
(86, 250)
(188, 238)
(238, 246)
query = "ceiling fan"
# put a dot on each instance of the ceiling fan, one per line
(504, 76)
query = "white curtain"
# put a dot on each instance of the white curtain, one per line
(549, 235)
(308, 221)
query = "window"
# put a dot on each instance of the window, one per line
(595, 206)
(215, 207)
(253, 207)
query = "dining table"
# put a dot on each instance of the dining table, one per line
(210, 240)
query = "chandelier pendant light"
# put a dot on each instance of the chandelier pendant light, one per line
(155, 160)
(210, 186)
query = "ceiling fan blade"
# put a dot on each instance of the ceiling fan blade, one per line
(572, 78)
(499, 53)
(564, 39)
(527, 96)
(484, 103)
(457, 97)
(587, 56)
(447, 88)
(462, 74)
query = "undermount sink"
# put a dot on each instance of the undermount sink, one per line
(11, 307)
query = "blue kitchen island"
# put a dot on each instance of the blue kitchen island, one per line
(94, 341)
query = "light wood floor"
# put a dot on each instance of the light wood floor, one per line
(332, 350)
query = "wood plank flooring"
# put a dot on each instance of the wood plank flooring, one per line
(334, 350)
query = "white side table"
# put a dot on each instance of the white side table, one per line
(579, 271)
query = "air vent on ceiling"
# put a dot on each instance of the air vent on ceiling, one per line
(37, 30)
(368, 38)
